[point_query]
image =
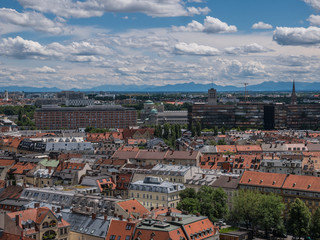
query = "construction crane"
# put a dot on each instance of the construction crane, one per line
(245, 91)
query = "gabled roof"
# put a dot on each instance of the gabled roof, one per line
(20, 168)
(121, 229)
(119, 154)
(248, 148)
(226, 148)
(70, 166)
(302, 182)
(133, 207)
(226, 182)
(35, 214)
(5, 162)
(274, 180)
(148, 155)
(11, 192)
(192, 155)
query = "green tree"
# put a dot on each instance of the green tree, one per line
(213, 142)
(246, 208)
(221, 142)
(299, 218)
(315, 225)
(270, 214)
(215, 131)
(223, 131)
(191, 205)
(198, 129)
(166, 131)
(208, 202)
(188, 193)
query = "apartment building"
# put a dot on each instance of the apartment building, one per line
(154, 192)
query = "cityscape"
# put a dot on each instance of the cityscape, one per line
(159, 119)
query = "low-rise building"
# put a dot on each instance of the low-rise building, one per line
(154, 192)
(37, 223)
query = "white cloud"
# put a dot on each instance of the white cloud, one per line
(261, 25)
(198, 11)
(45, 69)
(75, 51)
(313, 3)
(195, 49)
(32, 20)
(91, 8)
(314, 20)
(249, 48)
(210, 25)
(297, 36)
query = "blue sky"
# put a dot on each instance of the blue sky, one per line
(81, 44)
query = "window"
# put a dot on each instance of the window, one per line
(119, 237)
(112, 237)
(128, 227)
(127, 237)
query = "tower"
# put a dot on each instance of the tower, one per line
(6, 96)
(212, 96)
(293, 94)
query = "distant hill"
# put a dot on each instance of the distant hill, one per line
(182, 87)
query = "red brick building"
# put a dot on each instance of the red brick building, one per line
(80, 117)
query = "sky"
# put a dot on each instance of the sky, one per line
(88, 43)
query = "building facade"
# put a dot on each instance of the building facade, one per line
(113, 116)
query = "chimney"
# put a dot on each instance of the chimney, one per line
(179, 219)
(17, 219)
(58, 210)
(173, 218)
(229, 179)
(115, 215)
(53, 209)
(36, 205)
(121, 217)
(198, 214)
(62, 206)
(105, 217)
(93, 215)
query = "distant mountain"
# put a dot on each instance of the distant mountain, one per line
(28, 89)
(181, 87)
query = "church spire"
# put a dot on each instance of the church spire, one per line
(293, 94)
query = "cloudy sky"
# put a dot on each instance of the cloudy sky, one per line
(86, 43)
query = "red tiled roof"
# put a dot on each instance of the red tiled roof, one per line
(13, 192)
(4, 162)
(163, 210)
(121, 229)
(70, 165)
(302, 182)
(274, 180)
(248, 148)
(21, 168)
(35, 214)
(67, 156)
(199, 226)
(134, 207)
(106, 181)
(226, 148)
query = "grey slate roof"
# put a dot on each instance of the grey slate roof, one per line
(86, 225)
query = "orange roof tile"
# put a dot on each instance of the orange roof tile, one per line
(274, 180)
(35, 214)
(134, 207)
(21, 168)
(121, 229)
(70, 165)
(4, 162)
(199, 226)
(248, 148)
(226, 148)
(302, 182)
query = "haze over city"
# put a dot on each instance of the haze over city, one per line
(83, 44)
